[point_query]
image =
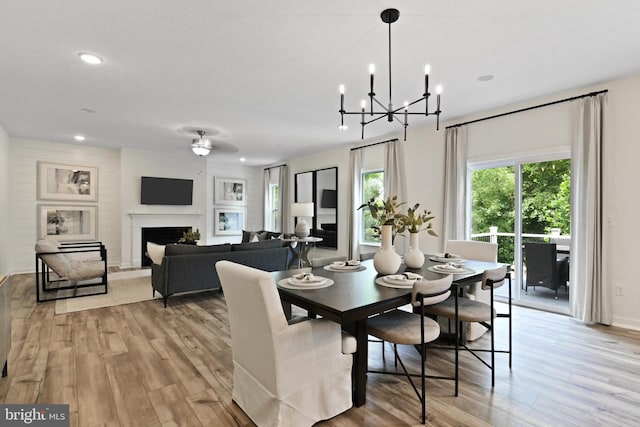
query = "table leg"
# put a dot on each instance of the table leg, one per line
(360, 362)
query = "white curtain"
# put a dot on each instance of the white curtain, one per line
(355, 200)
(455, 184)
(590, 301)
(279, 174)
(395, 181)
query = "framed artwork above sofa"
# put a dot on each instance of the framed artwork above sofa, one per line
(229, 221)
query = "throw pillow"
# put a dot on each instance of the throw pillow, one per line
(155, 252)
(254, 238)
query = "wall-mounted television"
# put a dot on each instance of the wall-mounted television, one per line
(329, 199)
(165, 191)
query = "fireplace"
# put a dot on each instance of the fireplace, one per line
(161, 236)
(135, 249)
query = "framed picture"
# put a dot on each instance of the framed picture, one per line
(230, 191)
(59, 181)
(229, 221)
(67, 223)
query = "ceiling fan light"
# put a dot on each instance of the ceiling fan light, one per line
(200, 150)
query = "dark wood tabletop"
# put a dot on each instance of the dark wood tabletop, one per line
(355, 296)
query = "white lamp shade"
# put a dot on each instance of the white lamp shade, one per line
(302, 209)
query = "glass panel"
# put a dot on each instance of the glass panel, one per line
(546, 228)
(372, 187)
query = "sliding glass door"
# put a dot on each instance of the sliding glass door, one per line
(524, 206)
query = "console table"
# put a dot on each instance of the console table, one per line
(302, 252)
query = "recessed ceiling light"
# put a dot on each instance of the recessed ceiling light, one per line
(79, 138)
(242, 159)
(486, 78)
(90, 58)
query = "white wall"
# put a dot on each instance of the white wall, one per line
(23, 201)
(4, 202)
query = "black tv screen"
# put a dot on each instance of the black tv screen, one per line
(166, 191)
(329, 199)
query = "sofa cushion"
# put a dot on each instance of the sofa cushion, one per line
(178, 249)
(264, 244)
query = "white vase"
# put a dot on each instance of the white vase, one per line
(414, 258)
(386, 260)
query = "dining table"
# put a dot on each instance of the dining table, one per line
(355, 296)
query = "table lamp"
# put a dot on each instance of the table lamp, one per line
(301, 211)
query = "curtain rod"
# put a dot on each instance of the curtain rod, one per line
(273, 167)
(573, 98)
(375, 143)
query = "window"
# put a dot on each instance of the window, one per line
(274, 203)
(372, 187)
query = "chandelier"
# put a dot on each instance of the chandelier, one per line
(390, 16)
(201, 146)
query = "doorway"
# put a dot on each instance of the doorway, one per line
(524, 206)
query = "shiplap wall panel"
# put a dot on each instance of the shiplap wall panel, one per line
(25, 155)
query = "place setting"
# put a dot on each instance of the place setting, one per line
(345, 266)
(402, 281)
(447, 257)
(305, 281)
(451, 268)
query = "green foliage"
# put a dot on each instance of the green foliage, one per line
(190, 236)
(416, 222)
(384, 213)
(373, 188)
(546, 201)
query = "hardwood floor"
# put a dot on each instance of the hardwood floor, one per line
(144, 365)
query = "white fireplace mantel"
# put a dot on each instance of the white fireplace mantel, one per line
(140, 220)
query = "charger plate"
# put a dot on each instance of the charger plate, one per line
(285, 283)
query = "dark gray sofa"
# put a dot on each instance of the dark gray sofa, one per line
(188, 268)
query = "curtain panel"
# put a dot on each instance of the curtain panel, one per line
(590, 300)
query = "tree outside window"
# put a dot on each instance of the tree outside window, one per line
(372, 187)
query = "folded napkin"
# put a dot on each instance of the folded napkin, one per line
(351, 264)
(447, 255)
(306, 278)
(407, 278)
(450, 267)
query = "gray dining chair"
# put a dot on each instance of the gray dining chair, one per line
(401, 327)
(460, 310)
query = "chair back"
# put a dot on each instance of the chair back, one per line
(472, 249)
(255, 317)
(495, 277)
(540, 259)
(434, 291)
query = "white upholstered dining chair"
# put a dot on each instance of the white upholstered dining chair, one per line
(284, 374)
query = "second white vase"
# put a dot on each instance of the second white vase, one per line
(386, 260)
(414, 258)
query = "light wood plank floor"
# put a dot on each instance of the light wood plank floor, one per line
(144, 365)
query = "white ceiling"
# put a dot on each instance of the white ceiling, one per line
(265, 74)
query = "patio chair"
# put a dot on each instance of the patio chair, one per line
(62, 270)
(284, 374)
(544, 267)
